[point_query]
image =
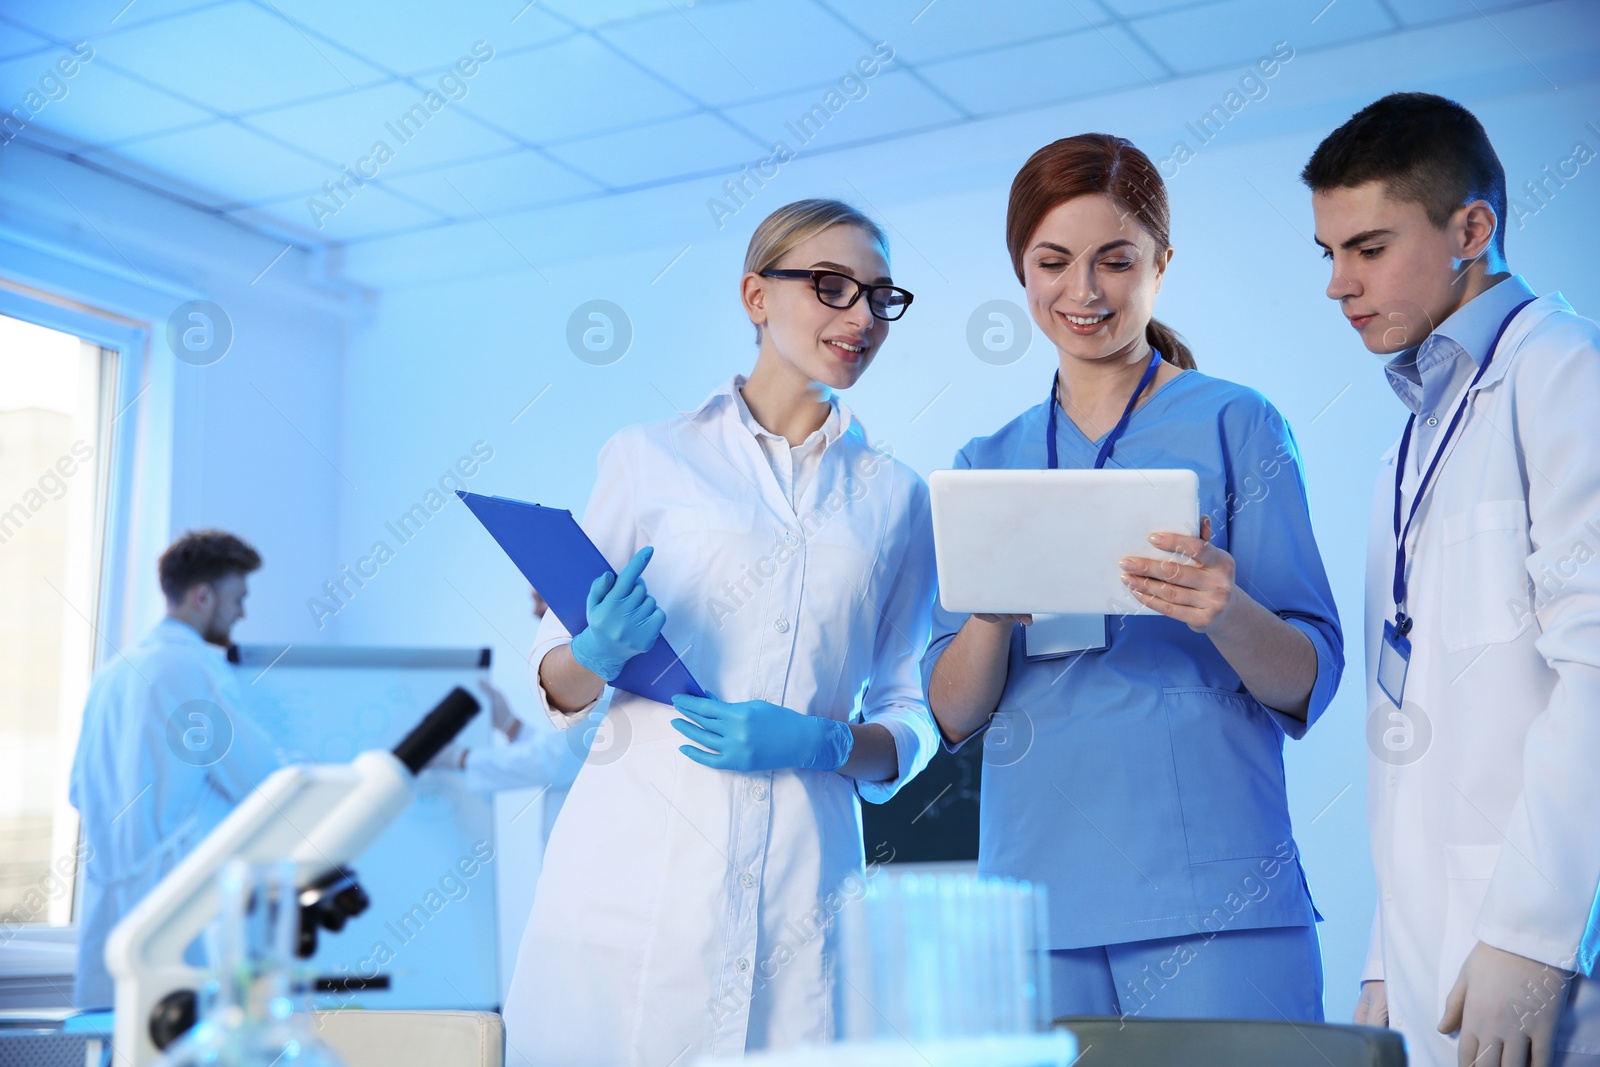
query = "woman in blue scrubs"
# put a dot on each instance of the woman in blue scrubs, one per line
(1140, 778)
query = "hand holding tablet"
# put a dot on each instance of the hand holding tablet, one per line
(1196, 590)
(1028, 542)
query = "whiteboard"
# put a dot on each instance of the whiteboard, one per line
(431, 922)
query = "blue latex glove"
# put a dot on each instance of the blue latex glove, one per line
(623, 620)
(758, 736)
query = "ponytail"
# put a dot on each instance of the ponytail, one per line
(1166, 341)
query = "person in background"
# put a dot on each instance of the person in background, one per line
(531, 757)
(1483, 600)
(164, 753)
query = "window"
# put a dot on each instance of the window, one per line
(56, 392)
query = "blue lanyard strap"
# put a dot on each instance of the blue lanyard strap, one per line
(1110, 442)
(1401, 533)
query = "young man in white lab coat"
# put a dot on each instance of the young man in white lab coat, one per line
(164, 753)
(1483, 614)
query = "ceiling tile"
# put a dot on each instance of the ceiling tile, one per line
(430, 36)
(225, 159)
(568, 89)
(89, 19)
(893, 102)
(1207, 38)
(348, 127)
(919, 31)
(16, 41)
(691, 145)
(1132, 9)
(1011, 79)
(727, 53)
(367, 211)
(592, 13)
(235, 57)
(1417, 12)
(491, 186)
(98, 106)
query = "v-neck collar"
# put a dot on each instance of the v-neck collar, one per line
(1067, 420)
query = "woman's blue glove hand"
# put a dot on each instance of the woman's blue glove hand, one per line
(623, 620)
(758, 736)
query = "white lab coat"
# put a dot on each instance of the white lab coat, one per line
(539, 757)
(152, 777)
(1483, 814)
(682, 910)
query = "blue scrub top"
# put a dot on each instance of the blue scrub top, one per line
(1141, 783)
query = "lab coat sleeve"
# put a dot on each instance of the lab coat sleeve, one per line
(1373, 971)
(1541, 900)
(611, 523)
(945, 625)
(252, 755)
(1275, 551)
(196, 731)
(540, 756)
(893, 696)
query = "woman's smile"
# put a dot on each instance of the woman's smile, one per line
(1084, 325)
(848, 349)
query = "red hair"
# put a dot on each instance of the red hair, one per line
(1084, 165)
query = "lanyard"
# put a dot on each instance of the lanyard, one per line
(1111, 438)
(1402, 621)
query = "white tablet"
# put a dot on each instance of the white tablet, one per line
(1041, 541)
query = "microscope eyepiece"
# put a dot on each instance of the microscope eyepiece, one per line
(437, 729)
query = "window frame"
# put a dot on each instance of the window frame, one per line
(125, 520)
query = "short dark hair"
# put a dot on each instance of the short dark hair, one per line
(203, 556)
(1425, 150)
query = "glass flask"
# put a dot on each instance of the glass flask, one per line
(255, 1011)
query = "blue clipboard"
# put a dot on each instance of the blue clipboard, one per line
(558, 559)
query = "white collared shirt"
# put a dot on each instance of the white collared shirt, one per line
(1429, 378)
(792, 465)
(684, 910)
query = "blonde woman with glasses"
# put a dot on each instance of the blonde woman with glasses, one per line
(687, 901)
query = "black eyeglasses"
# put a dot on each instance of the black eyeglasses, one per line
(886, 302)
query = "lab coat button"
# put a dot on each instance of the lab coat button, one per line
(747, 880)
(790, 539)
(1387, 895)
(782, 626)
(742, 964)
(1433, 420)
(759, 792)
(1391, 779)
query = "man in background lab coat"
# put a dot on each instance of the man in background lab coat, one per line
(164, 753)
(1483, 614)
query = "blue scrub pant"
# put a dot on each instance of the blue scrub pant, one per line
(1273, 973)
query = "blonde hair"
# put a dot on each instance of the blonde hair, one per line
(792, 225)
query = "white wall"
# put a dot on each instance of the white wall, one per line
(234, 444)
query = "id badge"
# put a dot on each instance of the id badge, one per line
(1394, 658)
(1054, 636)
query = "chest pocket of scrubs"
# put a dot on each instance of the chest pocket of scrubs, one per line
(1486, 590)
(1229, 762)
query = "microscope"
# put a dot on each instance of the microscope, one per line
(320, 817)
